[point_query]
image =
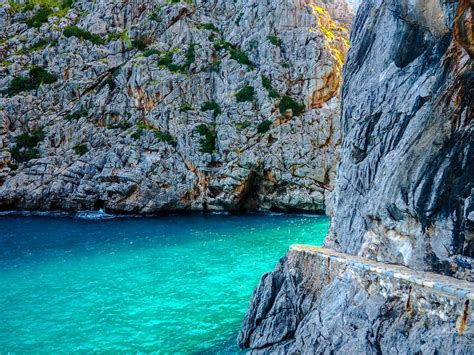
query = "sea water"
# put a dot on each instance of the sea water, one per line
(170, 284)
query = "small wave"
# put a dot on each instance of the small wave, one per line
(87, 215)
(94, 215)
(35, 213)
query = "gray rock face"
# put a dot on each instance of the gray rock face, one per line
(158, 106)
(406, 178)
(321, 302)
(403, 195)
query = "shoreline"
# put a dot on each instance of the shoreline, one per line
(103, 214)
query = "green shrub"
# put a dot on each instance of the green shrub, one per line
(243, 125)
(137, 134)
(212, 106)
(25, 147)
(140, 44)
(274, 40)
(267, 84)
(245, 94)
(74, 31)
(165, 59)
(264, 126)
(288, 103)
(40, 17)
(208, 140)
(241, 57)
(76, 115)
(114, 36)
(185, 107)
(145, 125)
(120, 125)
(190, 57)
(150, 52)
(222, 45)
(109, 81)
(160, 135)
(36, 76)
(27, 140)
(166, 137)
(208, 26)
(81, 149)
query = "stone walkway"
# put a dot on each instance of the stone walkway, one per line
(451, 286)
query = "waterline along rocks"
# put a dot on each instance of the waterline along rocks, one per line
(404, 195)
(146, 106)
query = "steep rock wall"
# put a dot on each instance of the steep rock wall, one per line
(405, 186)
(145, 114)
(403, 195)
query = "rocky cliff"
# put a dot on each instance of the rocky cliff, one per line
(404, 195)
(407, 165)
(145, 106)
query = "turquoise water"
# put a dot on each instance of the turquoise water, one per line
(173, 284)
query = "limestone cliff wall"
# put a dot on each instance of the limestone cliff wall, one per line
(403, 196)
(170, 105)
(405, 187)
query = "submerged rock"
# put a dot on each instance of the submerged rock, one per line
(150, 106)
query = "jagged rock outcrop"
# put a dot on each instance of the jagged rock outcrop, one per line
(404, 195)
(321, 302)
(405, 186)
(146, 106)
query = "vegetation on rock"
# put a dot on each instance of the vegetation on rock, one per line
(287, 103)
(36, 76)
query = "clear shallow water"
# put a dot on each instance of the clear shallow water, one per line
(167, 284)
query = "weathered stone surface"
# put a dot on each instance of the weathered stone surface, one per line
(403, 195)
(318, 301)
(204, 51)
(406, 178)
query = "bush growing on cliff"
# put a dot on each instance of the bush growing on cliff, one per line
(150, 52)
(287, 103)
(276, 41)
(241, 57)
(139, 43)
(36, 76)
(267, 84)
(159, 134)
(209, 137)
(25, 147)
(46, 9)
(185, 107)
(120, 125)
(81, 149)
(74, 31)
(242, 125)
(245, 94)
(264, 127)
(76, 115)
(166, 137)
(212, 106)
(40, 17)
(208, 26)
